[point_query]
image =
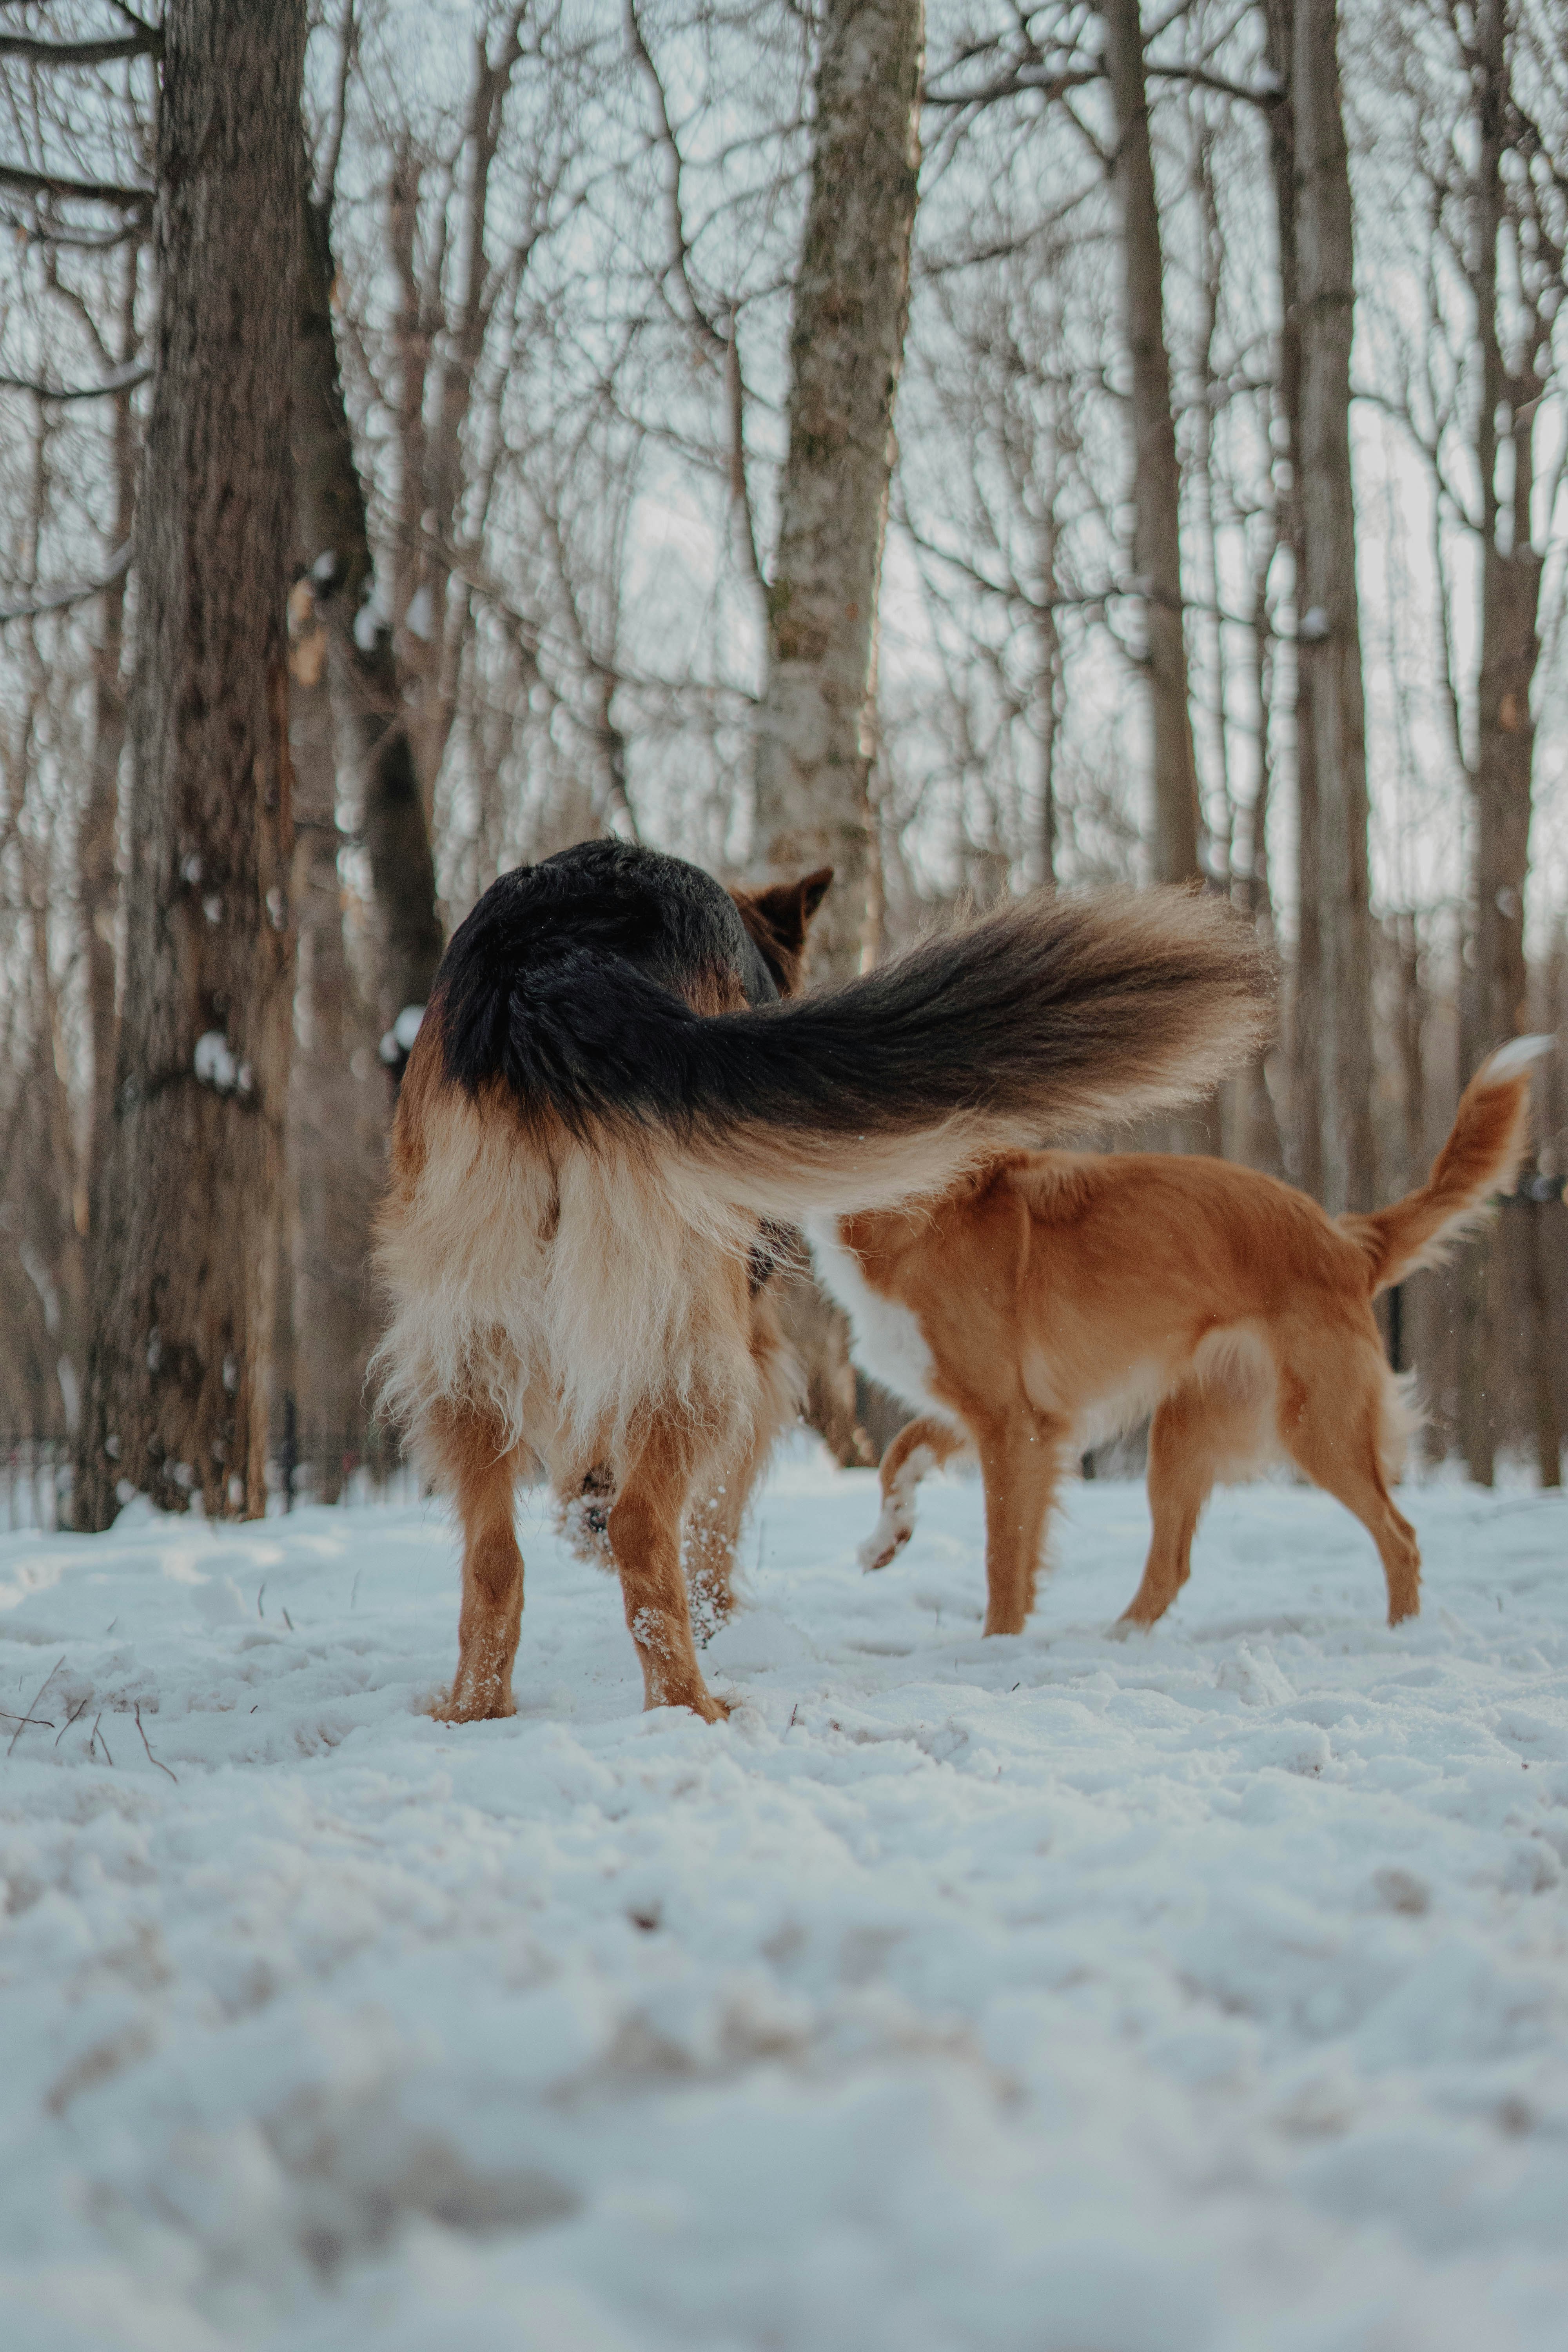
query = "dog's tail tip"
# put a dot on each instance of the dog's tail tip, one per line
(1512, 1060)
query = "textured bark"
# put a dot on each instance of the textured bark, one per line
(1261, 1143)
(1334, 985)
(186, 1269)
(847, 337)
(336, 1116)
(1494, 1006)
(335, 542)
(100, 820)
(1156, 479)
(1048, 691)
(1305, 1138)
(1510, 590)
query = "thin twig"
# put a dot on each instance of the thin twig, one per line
(93, 192)
(44, 1722)
(98, 1739)
(147, 1744)
(74, 1717)
(123, 379)
(37, 1694)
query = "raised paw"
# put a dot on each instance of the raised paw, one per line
(887, 1539)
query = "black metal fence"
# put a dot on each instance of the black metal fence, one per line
(304, 1465)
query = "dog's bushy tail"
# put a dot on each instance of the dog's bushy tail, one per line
(1051, 1014)
(1481, 1157)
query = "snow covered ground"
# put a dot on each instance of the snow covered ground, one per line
(1202, 1994)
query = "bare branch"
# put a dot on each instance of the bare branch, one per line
(123, 379)
(348, 43)
(148, 42)
(1204, 80)
(77, 240)
(92, 192)
(1022, 80)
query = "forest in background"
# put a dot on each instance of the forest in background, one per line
(1224, 539)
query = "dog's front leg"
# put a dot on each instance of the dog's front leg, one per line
(1020, 1460)
(645, 1536)
(920, 1445)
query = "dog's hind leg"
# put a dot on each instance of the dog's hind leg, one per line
(713, 1529)
(716, 1518)
(645, 1536)
(1195, 1433)
(920, 1445)
(1332, 1423)
(474, 1462)
(1020, 1459)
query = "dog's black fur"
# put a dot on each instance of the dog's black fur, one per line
(567, 982)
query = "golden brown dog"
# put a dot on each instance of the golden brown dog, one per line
(607, 1111)
(1054, 1298)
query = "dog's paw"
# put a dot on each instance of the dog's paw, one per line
(466, 1702)
(696, 1696)
(1127, 1625)
(881, 1547)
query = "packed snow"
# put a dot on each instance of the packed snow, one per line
(1201, 1992)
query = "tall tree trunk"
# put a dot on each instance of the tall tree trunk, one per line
(1048, 686)
(333, 1177)
(1510, 592)
(1261, 1143)
(100, 822)
(1495, 997)
(816, 728)
(1156, 480)
(335, 542)
(1304, 1121)
(846, 340)
(185, 1270)
(1335, 986)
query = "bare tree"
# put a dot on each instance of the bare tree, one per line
(1333, 980)
(100, 820)
(185, 1272)
(1496, 226)
(1156, 477)
(1516, 256)
(815, 728)
(374, 689)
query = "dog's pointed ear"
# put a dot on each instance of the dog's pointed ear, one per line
(787, 908)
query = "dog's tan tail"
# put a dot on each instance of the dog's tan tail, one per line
(1481, 1157)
